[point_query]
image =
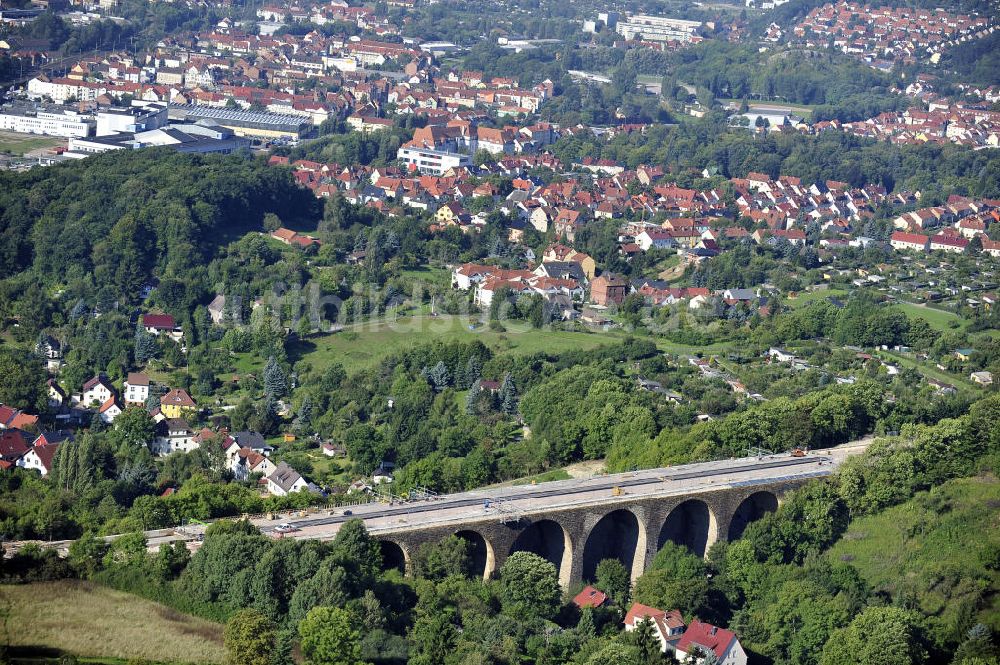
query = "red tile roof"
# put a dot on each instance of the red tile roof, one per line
(13, 444)
(707, 636)
(590, 597)
(158, 321)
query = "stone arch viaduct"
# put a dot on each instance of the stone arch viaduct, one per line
(630, 528)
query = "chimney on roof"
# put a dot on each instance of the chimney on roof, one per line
(715, 629)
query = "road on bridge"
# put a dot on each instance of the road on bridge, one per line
(510, 503)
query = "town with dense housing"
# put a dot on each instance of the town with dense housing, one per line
(506, 331)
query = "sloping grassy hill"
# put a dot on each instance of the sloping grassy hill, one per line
(85, 619)
(939, 551)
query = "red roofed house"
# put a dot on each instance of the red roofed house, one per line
(705, 637)
(39, 458)
(11, 418)
(668, 625)
(911, 241)
(590, 597)
(110, 410)
(175, 403)
(156, 324)
(948, 243)
(13, 444)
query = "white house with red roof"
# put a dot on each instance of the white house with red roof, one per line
(949, 243)
(39, 458)
(668, 625)
(701, 637)
(162, 324)
(248, 462)
(900, 240)
(110, 410)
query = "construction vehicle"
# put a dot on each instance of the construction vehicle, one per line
(617, 491)
(798, 452)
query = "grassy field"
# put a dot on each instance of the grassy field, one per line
(19, 144)
(937, 319)
(917, 549)
(363, 345)
(806, 297)
(428, 275)
(88, 620)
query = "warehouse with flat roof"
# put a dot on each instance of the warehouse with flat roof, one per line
(244, 123)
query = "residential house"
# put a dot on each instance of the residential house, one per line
(561, 270)
(706, 638)
(780, 355)
(96, 391)
(176, 403)
(39, 458)
(468, 274)
(57, 396)
(667, 625)
(172, 435)
(252, 440)
(11, 418)
(136, 389)
(285, 480)
(217, 309)
(900, 240)
(247, 463)
(13, 444)
(557, 253)
(162, 324)
(982, 378)
(110, 410)
(50, 349)
(949, 243)
(655, 239)
(608, 289)
(590, 597)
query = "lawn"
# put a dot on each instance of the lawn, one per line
(89, 620)
(925, 548)
(428, 275)
(362, 345)
(19, 144)
(938, 319)
(806, 297)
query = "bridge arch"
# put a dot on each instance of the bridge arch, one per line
(751, 509)
(549, 540)
(691, 524)
(393, 556)
(618, 535)
(481, 552)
